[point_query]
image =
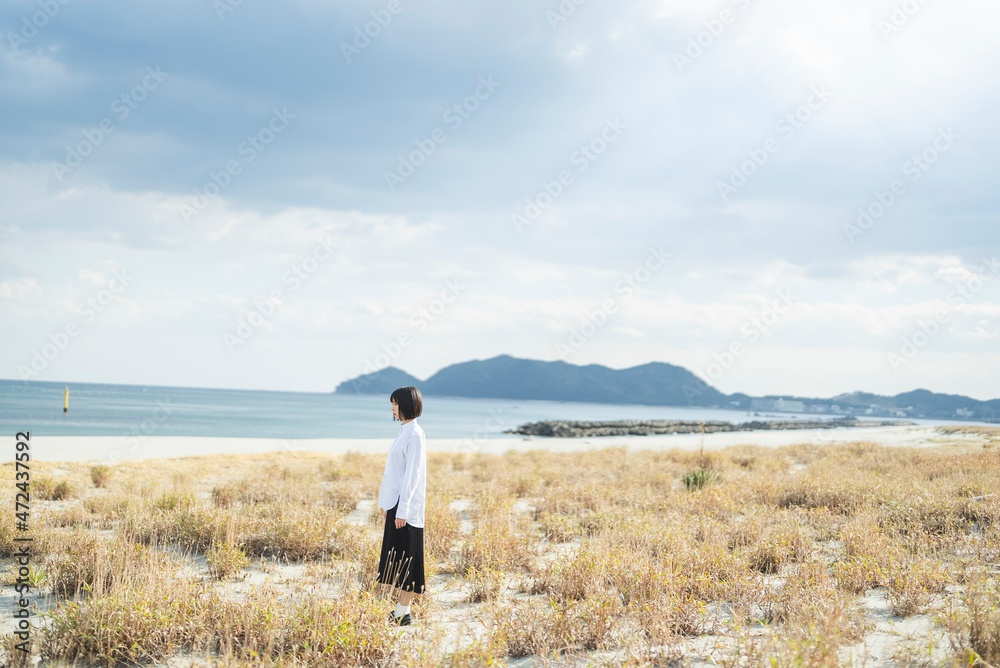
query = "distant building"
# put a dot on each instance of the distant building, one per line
(782, 405)
(875, 409)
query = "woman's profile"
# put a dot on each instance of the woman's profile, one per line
(402, 498)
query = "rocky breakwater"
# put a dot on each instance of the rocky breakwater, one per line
(579, 429)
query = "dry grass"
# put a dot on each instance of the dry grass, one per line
(48, 488)
(970, 429)
(501, 540)
(100, 475)
(568, 554)
(974, 628)
(538, 627)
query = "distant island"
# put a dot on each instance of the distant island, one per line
(653, 384)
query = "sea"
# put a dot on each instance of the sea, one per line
(97, 409)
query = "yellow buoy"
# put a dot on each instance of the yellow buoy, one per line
(66, 402)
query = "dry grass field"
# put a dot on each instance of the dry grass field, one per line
(797, 556)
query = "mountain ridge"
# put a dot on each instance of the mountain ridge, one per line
(654, 384)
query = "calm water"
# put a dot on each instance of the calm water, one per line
(119, 410)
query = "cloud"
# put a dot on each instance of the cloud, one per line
(688, 129)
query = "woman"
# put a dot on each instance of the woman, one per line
(402, 498)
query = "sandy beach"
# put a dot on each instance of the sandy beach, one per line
(115, 448)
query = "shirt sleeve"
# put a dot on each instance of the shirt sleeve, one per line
(412, 483)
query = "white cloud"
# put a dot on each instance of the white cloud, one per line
(20, 289)
(38, 76)
(324, 179)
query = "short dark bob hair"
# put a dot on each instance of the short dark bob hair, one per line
(410, 403)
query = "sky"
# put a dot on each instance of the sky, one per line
(784, 198)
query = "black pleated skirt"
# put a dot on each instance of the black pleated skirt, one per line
(401, 563)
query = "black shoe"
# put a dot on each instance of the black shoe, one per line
(402, 621)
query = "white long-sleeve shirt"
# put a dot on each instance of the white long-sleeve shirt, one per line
(405, 477)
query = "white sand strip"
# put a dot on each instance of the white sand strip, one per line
(114, 448)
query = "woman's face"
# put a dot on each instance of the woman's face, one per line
(395, 411)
